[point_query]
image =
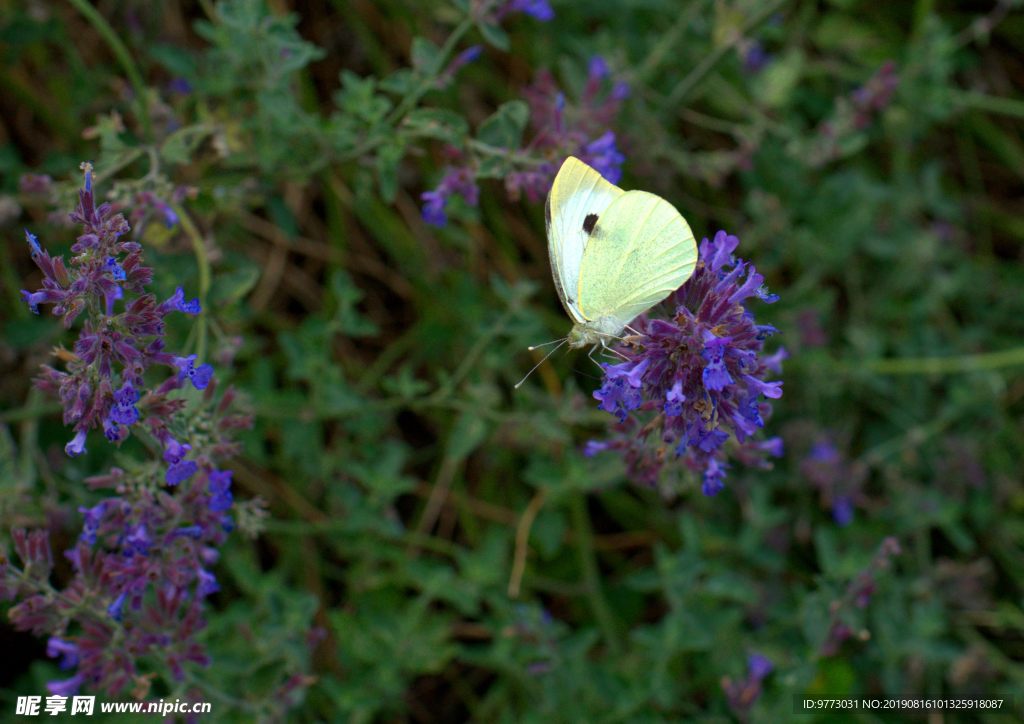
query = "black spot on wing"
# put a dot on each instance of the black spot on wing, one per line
(588, 224)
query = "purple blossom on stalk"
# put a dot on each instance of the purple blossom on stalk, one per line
(456, 181)
(566, 129)
(695, 376)
(140, 562)
(537, 9)
(220, 490)
(839, 481)
(742, 695)
(857, 595)
(466, 57)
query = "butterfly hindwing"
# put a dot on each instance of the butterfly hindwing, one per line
(578, 198)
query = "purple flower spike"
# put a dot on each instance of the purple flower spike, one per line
(143, 556)
(699, 376)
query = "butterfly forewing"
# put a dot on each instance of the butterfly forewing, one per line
(578, 198)
(640, 250)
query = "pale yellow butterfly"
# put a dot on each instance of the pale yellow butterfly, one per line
(614, 253)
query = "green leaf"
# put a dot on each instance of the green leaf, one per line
(180, 145)
(504, 129)
(778, 81)
(438, 123)
(494, 35)
(232, 287)
(426, 56)
(401, 82)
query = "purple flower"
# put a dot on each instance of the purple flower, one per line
(839, 480)
(144, 548)
(207, 583)
(714, 474)
(91, 522)
(674, 399)
(464, 58)
(742, 695)
(199, 376)
(178, 472)
(77, 445)
(174, 451)
(755, 58)
(136, 541)
(34, 243)
(219, 486)
(433, 210)
(68, 687)
(759, 666)
(124, 412)
(116, 608)
(593, 447)
(34, 299)
(716, 376)
(702, 371)
(177, 301)
(604, 157)
(598, 68)
(537, 9)
(58, 647)
(456, 181)
(620, 392)
(179, 468)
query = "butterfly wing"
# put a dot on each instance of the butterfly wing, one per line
(640, 250)
(578, 197)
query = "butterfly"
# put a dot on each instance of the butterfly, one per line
(614, 253)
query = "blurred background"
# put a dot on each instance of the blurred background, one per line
(364, 182)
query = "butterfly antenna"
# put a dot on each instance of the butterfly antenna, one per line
(560, 343)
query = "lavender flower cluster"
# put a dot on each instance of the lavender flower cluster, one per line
(562, 130)
(142, 561)
(696, 376)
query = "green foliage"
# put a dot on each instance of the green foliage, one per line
(466, 561)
